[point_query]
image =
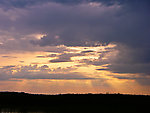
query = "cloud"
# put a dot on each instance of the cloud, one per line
(73, 26)
(130, 60)
(125, 23)
(122, 23)
(8, 67)
(59, 76)
(106, 23)
(144, 81)
(4, 76)
(62, 58)
(102, 69)
(21, 61)
(6, 72)
(104, 58)
(8, 57)
(50, 55)
(88, 51)
(25, 3)
(66, 57)
(41, 56)
(40, 72)
(53, 23)
(130, 68)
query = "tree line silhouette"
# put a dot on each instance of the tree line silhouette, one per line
(73, 103)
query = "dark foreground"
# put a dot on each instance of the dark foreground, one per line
(73, 103)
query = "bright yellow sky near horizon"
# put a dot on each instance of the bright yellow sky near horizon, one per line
(72, 71)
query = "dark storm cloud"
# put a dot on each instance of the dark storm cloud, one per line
(144, 81)
(128, 24)
(74, 27)
(131, 60)
(25, 3)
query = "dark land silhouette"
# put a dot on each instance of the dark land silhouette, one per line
(73, 103)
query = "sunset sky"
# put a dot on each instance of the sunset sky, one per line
(75, 46)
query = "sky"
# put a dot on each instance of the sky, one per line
(75, 46)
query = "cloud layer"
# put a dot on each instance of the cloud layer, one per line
(43, 25)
